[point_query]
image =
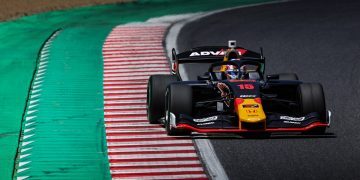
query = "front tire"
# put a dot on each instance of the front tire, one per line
(312, 99)
(156, 96)
(178, 101)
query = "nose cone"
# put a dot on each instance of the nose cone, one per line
(249, 111)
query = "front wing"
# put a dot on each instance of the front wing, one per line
(274, 123)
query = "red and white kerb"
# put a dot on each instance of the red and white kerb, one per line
(137, 149)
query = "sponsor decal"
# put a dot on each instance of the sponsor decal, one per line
(250, 111)
(292, 122)
(292, 118)
(247, 96)
(208, 53)
(215, 53)
(250, 106)
(212, 118)
(207, 123)
(246, 86)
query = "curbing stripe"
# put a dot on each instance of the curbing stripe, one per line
(130, 138)
(26, 139)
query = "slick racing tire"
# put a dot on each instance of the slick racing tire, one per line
(288, 76)
(178, 101)
(156, 96)
(312, 99)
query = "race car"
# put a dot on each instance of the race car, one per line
(234, 96)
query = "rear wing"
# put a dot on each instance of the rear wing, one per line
(208, 54)
(211, 54)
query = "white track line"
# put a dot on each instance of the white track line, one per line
(132, 48)
(135, 124)
(147, 136)
(136, 70)
(137, 66)
(143, 131)
(124, 87)
(135, 74)
(135, 96)
(164, 177)
(152, 156)
(126, 107)
(145, 149)
(130, 45)
(126, 112)
(164, 142)
(131, 52)
(152, 163)
(125, 91)
(135, 58)
(126, 118)
(126, 78)
(152, 170)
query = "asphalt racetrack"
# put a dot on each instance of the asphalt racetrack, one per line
(318, 40)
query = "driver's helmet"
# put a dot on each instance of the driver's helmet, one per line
(231, 72)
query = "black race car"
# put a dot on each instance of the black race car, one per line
(234, 96)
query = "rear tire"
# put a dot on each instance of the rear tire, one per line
(312, 99)
(156, 96)
(288, 76)
(179, 101)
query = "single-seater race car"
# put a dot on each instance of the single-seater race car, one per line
(234, 96)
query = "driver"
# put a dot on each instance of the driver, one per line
(233, 73)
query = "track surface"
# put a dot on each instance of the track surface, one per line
(320, 41)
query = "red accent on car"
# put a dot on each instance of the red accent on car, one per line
(174, 66)
(258, 100)
(239, 101)
(236, 130)
(241, 51)
(246, 86)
